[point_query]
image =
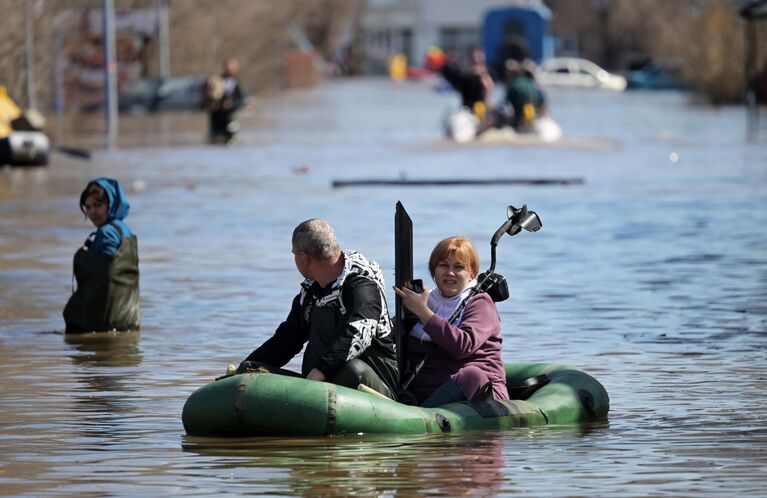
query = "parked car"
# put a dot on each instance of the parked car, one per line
(653, 76)
(572, 71)
(170, 94)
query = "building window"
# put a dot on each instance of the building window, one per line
(407, 43)
(459, 41)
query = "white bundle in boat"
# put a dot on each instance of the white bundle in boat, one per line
(461, 125)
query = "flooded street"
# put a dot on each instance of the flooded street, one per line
(651, 275)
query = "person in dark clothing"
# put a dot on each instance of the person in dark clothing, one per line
(473, 84)
(224, 96)
(340, 314)
(106, 266)
(515, 48)
(523, 94)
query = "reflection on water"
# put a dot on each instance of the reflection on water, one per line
(352, 466)
(110, 349)
(651, 276)
(101, 360)
(477, 464)
(107, 398)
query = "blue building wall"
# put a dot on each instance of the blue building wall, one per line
(505, 30)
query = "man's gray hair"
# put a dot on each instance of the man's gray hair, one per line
(317, 239)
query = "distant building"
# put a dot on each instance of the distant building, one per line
(410, 27)
(80, 53)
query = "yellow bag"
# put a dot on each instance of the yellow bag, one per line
(8, 112)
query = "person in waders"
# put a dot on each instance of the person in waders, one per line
(340, 314)
(523, 95)
(224, 95)
(106, 266)
(461, 358)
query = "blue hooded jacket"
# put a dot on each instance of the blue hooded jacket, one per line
(107, 238)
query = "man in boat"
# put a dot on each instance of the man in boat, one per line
(340, 314)
(472, 81)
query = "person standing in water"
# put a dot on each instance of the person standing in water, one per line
(224, 96)
(106, 266)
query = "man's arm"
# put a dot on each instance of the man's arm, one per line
(286, 342)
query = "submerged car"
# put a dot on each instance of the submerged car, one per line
(572, 71)
(170, 94)
(654, 76)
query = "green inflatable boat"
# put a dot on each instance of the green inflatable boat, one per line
(264, 404)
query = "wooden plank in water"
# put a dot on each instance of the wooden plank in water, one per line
(455, 181)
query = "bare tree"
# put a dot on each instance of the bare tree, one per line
(202, 34)
(704, 38)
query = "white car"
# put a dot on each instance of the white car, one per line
(572, 71)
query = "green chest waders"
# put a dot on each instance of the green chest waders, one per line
(107, 295)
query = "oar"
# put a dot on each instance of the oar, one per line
(403, 272)
(74, 152)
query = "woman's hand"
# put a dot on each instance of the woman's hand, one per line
(416, 302)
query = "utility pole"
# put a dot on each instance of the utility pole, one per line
(59, 78)
(110, 72)
(30, 55)
(163, 37)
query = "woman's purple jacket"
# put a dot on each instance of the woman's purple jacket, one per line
(469, 354)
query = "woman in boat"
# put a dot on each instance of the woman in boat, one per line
(106, 266)
(463, 358)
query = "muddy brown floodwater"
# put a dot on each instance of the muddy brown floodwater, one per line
(651, 275)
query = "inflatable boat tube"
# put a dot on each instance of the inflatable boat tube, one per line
(264, 404)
